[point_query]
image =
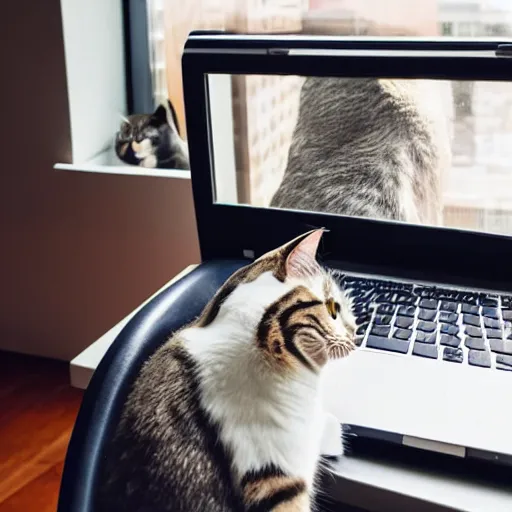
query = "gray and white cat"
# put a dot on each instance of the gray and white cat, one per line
(227, 415)
(152, 140)
(369, 147)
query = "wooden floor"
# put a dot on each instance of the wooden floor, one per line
(38, 408)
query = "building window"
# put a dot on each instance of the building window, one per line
(447, 29)
(463, 98)
(264, 108)
(497, 29)
(464, 29)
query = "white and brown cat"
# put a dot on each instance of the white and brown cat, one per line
(226, 416)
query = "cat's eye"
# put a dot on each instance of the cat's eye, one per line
(333, 308)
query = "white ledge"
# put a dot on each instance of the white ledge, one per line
(106, 162)
(124, 170)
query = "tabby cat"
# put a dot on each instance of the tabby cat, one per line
(369, 147)
(152, 140)
(226, 416)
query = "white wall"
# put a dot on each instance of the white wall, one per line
(94, 54)
(80, 249)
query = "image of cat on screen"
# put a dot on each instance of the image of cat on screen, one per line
(369, 147)
(152, 140)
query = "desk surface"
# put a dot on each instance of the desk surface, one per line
(361, 482)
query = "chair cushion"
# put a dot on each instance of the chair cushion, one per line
(147, 330)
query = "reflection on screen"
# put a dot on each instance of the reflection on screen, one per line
(419, 151)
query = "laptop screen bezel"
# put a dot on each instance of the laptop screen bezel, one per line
(229, 231)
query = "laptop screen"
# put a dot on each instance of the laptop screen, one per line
(423, 152)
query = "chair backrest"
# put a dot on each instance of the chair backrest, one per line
(150, 327)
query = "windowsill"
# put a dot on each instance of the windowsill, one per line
(107, 163)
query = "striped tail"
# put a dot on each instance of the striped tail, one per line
(271, 490)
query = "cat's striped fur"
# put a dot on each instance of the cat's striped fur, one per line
(369, 147)
(227, 416)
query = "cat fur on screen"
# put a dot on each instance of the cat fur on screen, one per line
(370, 147)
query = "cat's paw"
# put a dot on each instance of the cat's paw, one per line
(149, 162)
(331, 444)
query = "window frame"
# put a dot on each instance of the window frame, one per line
(139, 81)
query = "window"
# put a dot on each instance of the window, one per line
(464, 29)
(156, 34)
(446, 29)
(170, 21)
(498, 29)
(464, 143)
(265, 108)
(463, 99)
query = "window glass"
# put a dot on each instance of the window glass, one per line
(170, 21)
(254, 144)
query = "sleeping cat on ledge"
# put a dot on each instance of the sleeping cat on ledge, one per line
(152, 140)
(226, 416)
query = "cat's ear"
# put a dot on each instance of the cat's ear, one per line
(159, 116)
(124, 119)
(173, 117)
(299, 255)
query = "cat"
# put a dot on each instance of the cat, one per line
(152, 140)
(226, 415)
(369, 147)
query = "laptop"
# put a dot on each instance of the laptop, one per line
(433, 302)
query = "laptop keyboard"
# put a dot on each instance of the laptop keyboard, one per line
(432, 322)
